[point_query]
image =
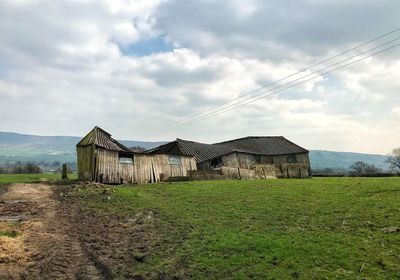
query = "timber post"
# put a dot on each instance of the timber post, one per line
(64, 175)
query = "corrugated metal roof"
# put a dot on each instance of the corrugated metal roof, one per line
(259, 145)
(103, 139)
(263, 145)
(202, 152)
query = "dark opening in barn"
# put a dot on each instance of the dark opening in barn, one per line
(216, 163)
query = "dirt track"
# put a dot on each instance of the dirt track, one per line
(48, 245)
(56, 240)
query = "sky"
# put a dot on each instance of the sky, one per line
(140, 68)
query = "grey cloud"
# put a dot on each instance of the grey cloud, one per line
(175, 76)
(277, 28)
(28, 33)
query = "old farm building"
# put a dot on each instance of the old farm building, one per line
(250, 157)
(103, 159)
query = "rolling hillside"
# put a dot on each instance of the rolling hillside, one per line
(342, 160)
(22, 147)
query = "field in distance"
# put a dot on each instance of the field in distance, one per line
(321, 228)
(28, 178)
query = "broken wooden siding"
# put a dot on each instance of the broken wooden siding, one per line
(268, 171)
(281, 167)
(294, 170)
(144, 169)
(245, 160)
(259, 171)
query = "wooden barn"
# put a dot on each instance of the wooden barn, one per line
(258, 157)
(103, 159)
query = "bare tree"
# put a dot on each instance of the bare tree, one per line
(18, 168)
(394, 159)
(372, 169)
(360, 167)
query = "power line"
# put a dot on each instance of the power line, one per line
(301, 82)
(195, 116)
(264, 94)
(325, 68)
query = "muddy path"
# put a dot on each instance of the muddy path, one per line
(39, 238)
(47, 234)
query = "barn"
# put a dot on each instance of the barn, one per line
(256, 156)
(103, 159)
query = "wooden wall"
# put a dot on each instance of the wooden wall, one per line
(85, 156)
(259, 171)
(300, 169)
(145, 168)
(294, 170)
(103, 166)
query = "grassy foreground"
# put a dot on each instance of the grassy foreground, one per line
(322, 228)
(28, 178)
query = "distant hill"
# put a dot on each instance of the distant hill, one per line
(22, 147)
(342, 160)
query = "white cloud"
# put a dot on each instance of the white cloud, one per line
(61, 64)
(396, 111)
(245, 8)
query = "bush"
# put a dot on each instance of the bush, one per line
(27, 168)
(31, 168)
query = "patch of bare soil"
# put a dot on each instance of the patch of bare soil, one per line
(50, 237)
(45, 244)
(115, 244)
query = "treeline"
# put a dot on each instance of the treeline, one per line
(20, 167)
(357, 169)
(361, 168)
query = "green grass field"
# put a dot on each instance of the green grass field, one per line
(27, 178)
(321, 228)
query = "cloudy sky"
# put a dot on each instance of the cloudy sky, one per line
(136, 67)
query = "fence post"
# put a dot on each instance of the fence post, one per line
(64, 175)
